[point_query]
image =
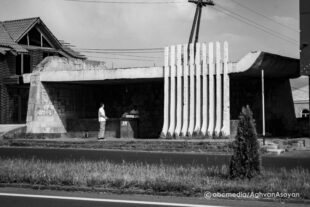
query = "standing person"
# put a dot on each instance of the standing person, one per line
(102, 120)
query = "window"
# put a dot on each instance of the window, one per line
(27, 67)
(18, 64)
(23, 64)
(34, 37)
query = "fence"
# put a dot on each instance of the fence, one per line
(196, 91)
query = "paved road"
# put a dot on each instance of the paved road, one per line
(15, 197)
(287, 162)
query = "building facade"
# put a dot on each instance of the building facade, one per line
(24, 43)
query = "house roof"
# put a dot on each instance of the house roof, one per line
(19, 27)
(6, 41)
(13, 30)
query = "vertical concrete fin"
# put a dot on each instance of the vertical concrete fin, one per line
(179, 92)
(33, 99)
(42, 115)
(198, 88)
(185, 91)
(172, 92)
(226, 95)
(219, 108)
(204, 127)
(166, 94)
(211, 89)
(192, 92)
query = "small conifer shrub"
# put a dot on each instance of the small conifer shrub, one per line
(246, 161)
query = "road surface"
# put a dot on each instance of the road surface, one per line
(16, 197)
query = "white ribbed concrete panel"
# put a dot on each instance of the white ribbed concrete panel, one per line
(204, 127)
(218, 125)
(166, 94)
(172, 93)
(179, 92)
(192, 92)
(211, 90)
(194, 104)
(185, 91)
(226, 94)
(198, 89)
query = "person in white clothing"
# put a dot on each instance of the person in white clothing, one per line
(102, 120)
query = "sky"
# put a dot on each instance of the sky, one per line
(95, 25)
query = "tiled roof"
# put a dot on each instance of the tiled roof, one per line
(17, 28)
(7, 41)
(13, 30)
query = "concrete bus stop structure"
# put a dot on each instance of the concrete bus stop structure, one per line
(197, 97)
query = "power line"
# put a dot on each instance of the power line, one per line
(253, 22)
(263, 15)
(258, 26)
(127, 2)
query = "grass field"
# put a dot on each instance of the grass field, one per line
(155, 179)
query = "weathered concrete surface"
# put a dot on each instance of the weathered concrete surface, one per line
(188, 83)
(55, 69)
(42, 115)
(274, 66)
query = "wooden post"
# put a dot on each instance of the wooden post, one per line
(41, 39)
(28, 39)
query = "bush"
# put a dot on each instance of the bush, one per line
(245, 162)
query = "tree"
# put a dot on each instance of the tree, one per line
(246, 161)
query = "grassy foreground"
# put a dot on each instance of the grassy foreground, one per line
(155, 179)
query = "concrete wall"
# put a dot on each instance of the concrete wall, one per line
(46, 112)
(63, 107)
(300, 106)
(280, 114)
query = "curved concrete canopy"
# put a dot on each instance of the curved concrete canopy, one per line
(274, 66)
(55, 69)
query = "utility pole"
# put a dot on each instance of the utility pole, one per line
(196, 22)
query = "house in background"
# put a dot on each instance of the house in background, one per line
(24, 43)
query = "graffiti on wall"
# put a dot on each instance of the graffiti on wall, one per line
(46, 110)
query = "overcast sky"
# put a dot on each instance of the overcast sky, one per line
(102, 25)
